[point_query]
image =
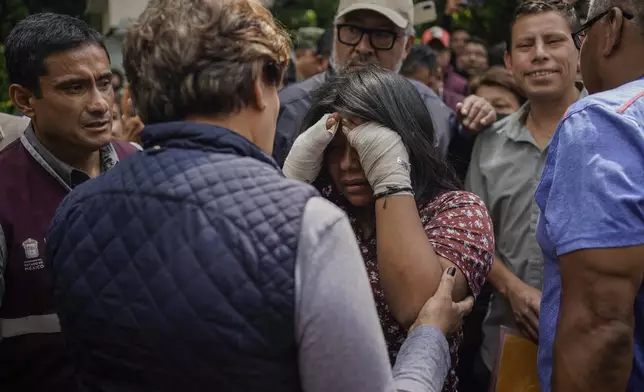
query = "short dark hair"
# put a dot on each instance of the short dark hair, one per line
(477, 41)
(39, 36)
(532, 7)
(498, 77)
(419, 56)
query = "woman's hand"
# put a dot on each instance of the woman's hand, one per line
(304, 161)
(383, 156)
(440, 311)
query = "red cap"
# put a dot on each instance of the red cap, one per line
(438, 34)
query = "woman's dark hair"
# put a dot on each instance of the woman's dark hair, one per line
(389, 99)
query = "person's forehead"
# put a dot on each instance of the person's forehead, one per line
(84, 59)
(476, 46)
(494, 91)
(460, 34)
(540, 24)
(369, 18)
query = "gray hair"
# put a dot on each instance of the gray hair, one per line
(597, 6)
(636, 7)
(188, 57)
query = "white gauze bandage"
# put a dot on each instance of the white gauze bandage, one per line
(304, 161)
(383, 156)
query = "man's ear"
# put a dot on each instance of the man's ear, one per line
(259, 94)
(23, 99)
(507, 59)
(613, 35)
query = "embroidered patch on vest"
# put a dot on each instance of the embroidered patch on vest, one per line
(32, 262)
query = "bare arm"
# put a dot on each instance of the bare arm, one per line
(501, 277)
(594, 343)
(410, 269)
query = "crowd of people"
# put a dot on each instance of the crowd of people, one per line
(363, 211)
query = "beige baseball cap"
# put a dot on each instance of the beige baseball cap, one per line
(401, 12)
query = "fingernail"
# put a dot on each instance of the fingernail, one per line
(483, 121)
(464, 112)
(451, 271)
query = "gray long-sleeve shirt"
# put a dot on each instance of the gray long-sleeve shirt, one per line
(340, 340)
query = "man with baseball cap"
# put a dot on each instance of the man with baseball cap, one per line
(379, 32)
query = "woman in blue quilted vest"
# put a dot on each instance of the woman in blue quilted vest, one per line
(196, 265)
(370, 149)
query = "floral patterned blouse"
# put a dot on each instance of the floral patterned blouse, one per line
(459, 228)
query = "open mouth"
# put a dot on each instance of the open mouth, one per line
(541, 73)
(97, 124)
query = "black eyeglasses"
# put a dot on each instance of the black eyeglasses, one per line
(379, 39)
(579, 35)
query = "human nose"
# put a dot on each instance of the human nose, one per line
(100, 101)
(364, 46)
(348, 159)
(540, 52)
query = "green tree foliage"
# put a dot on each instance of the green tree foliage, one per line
(492, 20)
(304, 13)
(489, 21)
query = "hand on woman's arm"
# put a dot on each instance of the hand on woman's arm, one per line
(340, 340)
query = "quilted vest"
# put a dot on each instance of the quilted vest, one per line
(29, 196)
(175, 270)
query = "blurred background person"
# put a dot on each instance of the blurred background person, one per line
(498, 86)
(305, 45)
(473, 60)
(460, 38)
(423, 64)
(440, 40)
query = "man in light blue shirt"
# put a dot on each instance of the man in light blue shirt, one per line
(591, 227)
